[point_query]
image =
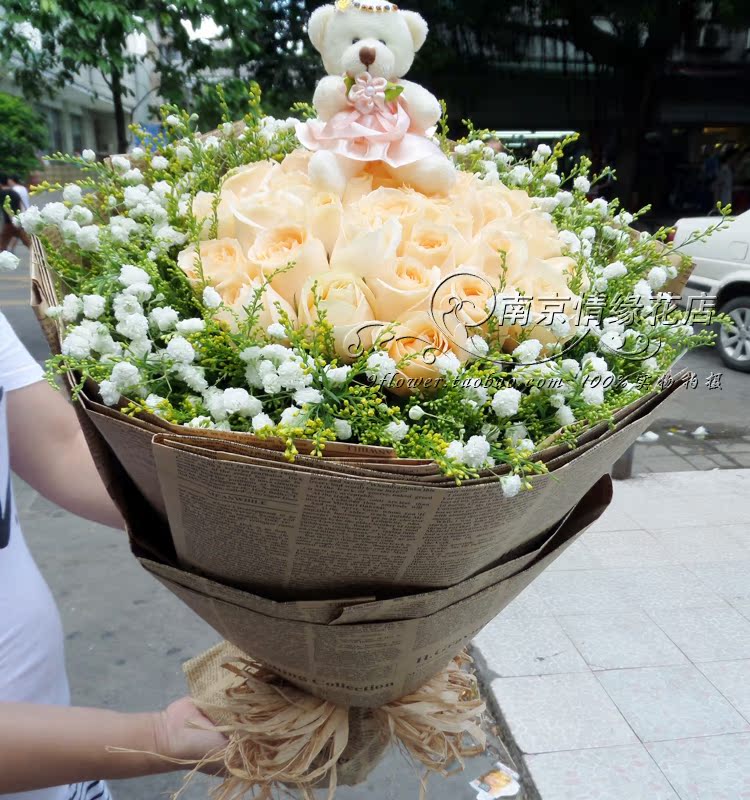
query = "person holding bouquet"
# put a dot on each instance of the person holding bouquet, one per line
(49, 750)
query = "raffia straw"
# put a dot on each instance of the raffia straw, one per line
(440, 723)
(280, 736)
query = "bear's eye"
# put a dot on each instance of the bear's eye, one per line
(355, 40)
(382, 41)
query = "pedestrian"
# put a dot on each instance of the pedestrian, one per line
(724, 184)
(49, 750)
(8, 231)
(15, 183)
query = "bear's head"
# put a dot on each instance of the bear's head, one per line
(357, 36)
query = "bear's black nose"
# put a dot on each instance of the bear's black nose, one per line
(367, 55)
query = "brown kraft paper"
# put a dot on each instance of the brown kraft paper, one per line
(371, 664)
(307, 542)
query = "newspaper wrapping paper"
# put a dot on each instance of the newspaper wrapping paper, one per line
(364, 601)
(281, 735)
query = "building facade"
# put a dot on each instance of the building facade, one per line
(81, 114)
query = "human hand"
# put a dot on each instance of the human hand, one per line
(183, 733)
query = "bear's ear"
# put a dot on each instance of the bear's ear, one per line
(317, 24)
(417, 27)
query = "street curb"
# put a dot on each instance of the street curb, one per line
(485, 676)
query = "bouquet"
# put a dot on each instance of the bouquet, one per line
(353, 385)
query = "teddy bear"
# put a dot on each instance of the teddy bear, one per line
(366, 111)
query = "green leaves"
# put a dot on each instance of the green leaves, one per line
(393, 92)
(22, 135)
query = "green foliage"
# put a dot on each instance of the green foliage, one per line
(22, 135)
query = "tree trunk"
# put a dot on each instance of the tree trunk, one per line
(122, 129)
(638, 110)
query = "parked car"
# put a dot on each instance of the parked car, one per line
(722, 270)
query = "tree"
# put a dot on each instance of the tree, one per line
(263, 41)
(22, 135)
(631, 41)
(47, 42)
(635, 40)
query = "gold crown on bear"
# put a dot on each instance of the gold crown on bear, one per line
(373, 6)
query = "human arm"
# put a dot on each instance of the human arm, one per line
(43, 746)
(48, 450)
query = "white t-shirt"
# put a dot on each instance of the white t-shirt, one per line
(23, 193)
(32, 658)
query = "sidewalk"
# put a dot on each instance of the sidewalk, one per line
(623, 672)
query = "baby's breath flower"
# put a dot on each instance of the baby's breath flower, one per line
(93, 305)
(110, 394)
(154, 402)
(81, 215)
(582, 184)
(528, 352)
(447, 363)
(396, 431)
(416, 413)
(130, 275)
(261, 422)
(511, 485)
(380, 367)
(31, 219)
(599, 206)
(570, 241)
(240, 401)
(338, 376)
(476, 452)
(455, 451)
(72, 307)
(164, 318)
(125, 376)
(54, 214)
(120, 163)
(88, 155)
(211, 298)
(72, 193)
(179, 349)
(133, 327)
(133, 176)
(200, 422)
(188, 326)
(542, 152)
(506, 402)
(520, 175)
(657, 277)
(343, 430)
(565, 416)
(311, 397)
(593, 395)
(594, 363)
(88, 237)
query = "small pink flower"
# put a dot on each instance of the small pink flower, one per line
(368, 93)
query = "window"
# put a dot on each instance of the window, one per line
(76, 132)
